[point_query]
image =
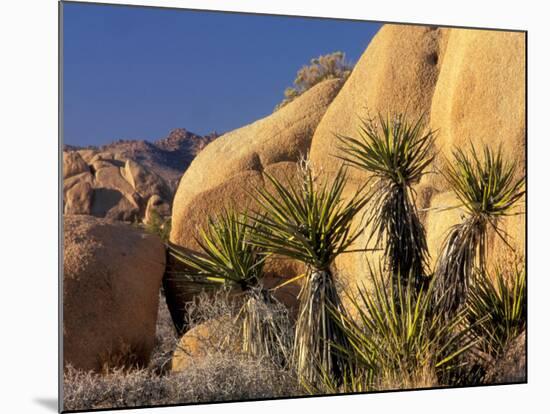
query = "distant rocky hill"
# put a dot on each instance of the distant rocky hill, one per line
(128, 180)
(168, 157)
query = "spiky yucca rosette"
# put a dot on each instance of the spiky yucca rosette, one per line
(395, 152)
(228, 259)
(497, 308)
(396, 341)
(311, 223)
(488, 191)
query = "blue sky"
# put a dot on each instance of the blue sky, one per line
(137, 73)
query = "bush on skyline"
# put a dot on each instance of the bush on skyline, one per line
(330, 66)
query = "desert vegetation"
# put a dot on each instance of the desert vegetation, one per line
(221, 375)
(403, 328)
(344, 243)
(330, 66)
(497, 308)
(157, 225)
(310, 222)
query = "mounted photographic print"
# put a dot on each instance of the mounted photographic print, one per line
(266, 206)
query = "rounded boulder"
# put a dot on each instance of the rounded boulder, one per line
(112, 273)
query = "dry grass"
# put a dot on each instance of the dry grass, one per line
(219, 377)
(166, 341)
(424, 377)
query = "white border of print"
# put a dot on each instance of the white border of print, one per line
(28, 170)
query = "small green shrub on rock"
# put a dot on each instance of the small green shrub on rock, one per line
(330, 66)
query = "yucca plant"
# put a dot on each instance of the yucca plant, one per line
(497, 308)
(402, 343)
(312, 223)
(395, 152)
(228, 259)
(488, 190)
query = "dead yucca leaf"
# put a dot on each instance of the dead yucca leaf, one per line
(265, 327)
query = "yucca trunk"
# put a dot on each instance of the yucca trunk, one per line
(465, 250)
(319, 339)
(266, 330)
(406, 245)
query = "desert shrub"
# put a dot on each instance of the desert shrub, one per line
(209, 305)
(330, 66)
(220, 375)
(266, 327)
(309, 221)
(497, 308)
(217, 377)
(268, 336)
(488, 190)
(89, 390)
(395, 152)
(159, 226)
(166, 340)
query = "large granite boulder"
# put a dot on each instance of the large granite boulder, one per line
(78, 198)
(145, 181)
(477, 105)
(234, 163)
(469, 84)
(397, 72)
(112, 274)
(480, 93)
(210, 337)
(231, 167)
